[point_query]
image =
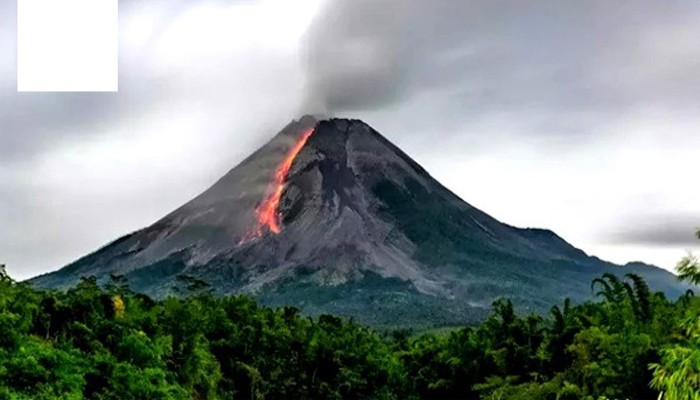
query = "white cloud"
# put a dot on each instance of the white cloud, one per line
(204, 84)
(537, 121)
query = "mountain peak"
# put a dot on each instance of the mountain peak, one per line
(330, 216)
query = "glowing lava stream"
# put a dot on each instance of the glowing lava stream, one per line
(267, 211)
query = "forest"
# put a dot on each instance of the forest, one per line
(108, 342)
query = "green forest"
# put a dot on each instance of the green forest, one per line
(110, 343)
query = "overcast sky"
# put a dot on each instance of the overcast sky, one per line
(581, 117)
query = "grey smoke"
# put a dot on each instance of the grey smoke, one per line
(578, 59)
(356, 55)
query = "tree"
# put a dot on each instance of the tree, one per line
(640, 297)
(108, 343)
(689, 269)
(677, 376)
(564, 327)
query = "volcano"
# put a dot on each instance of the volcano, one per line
(331, 217)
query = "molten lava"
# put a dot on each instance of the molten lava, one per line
(267, 212)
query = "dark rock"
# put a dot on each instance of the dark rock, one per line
(366, 233)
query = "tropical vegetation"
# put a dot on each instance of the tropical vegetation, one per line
(111, 343)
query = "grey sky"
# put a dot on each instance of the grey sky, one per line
(580, 117)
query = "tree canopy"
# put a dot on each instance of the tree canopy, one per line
(110, 343)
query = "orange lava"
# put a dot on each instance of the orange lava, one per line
(267, 212)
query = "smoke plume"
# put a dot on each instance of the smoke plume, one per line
(355, 55)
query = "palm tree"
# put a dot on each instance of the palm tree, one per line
(616, 290)
(689, 269)
(562, 318)
(685, 298)
(640, 297)
(565, 326)
(613, 289)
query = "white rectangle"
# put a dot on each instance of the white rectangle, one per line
(67, 45)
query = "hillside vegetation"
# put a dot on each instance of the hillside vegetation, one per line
(110, 343)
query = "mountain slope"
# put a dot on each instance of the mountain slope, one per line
(330, 216)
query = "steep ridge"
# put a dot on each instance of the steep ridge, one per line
(329, 216)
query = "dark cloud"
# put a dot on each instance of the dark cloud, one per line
(33, 121)
(659, 230)
(565, 57)
(356, 55)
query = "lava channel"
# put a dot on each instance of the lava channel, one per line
(268, 211)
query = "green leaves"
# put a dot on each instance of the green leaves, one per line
(688, 269)
(677, 376)
(84, 343)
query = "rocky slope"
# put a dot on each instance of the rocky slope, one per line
(329, 216)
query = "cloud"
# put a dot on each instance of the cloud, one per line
(659, 231)
(574, 116)
(205, 54)
(586, 109)
(578, 60)
(202, 84)
(355, 55)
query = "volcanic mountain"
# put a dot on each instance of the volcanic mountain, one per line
(329, 216)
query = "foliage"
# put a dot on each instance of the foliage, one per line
(677, 375)
(110, 343)
(90, 342)
(689, 269)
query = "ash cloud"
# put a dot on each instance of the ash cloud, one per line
(355, 55)
(580, 60)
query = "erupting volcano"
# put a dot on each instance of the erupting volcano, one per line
(268, 211)
(357, 228)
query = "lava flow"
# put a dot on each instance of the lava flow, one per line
(267, 212)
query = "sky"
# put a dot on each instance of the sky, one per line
(580, 117)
